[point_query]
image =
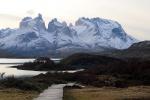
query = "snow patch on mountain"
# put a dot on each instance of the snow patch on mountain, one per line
(91, 34)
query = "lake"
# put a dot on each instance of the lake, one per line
(6, 63)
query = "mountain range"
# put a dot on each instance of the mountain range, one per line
(34, 39)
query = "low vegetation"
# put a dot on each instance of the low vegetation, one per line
(42, 64)
(17, 94)
(134, 71)
(100, 71)
(27, 84)
(105, 93)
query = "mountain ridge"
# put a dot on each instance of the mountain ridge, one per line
(32, 38)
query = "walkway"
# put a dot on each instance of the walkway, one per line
(55, 92)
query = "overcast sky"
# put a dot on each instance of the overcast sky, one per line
(134, 15)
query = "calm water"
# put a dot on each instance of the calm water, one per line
(14, 71)
(18, 61)
(5, 64)
(5, 67)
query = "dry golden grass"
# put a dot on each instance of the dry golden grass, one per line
(131, 93)
(15, 94)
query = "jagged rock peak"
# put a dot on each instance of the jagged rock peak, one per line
(36, 23)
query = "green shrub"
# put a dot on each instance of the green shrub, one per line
(24, 84)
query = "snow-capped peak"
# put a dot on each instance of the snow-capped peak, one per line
(32, 37)
(102, 32)
(54, 24)
(36, 23)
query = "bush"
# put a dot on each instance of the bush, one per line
(24, 84)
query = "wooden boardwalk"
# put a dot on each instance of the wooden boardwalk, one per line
(55, 92)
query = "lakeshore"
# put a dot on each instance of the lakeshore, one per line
(100, 74)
